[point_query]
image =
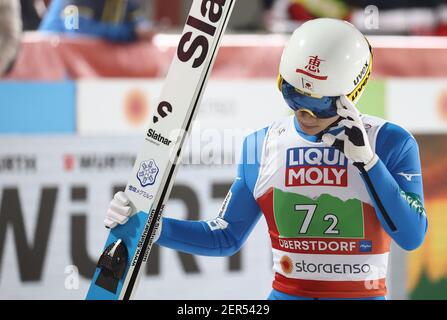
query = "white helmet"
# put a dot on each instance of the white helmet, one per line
(326, 58)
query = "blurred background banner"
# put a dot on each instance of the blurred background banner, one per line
(53, 198)
(37, 107)
(427, 266)
(127, 105)
(428, 95)
(80, 80)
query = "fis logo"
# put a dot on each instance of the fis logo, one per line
(147, 173)
(316, 167)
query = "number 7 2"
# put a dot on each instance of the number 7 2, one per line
(310, 210)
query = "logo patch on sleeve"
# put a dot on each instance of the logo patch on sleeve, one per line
(316, 166)
(217, 224)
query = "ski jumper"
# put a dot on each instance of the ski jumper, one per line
(330, 231)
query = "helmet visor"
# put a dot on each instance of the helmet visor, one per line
(324, 107)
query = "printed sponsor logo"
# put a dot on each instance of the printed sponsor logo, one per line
(154, 136)
(277, 132)
(217, 224)
(360, 87)
(312, 166)
(409, 176)
(193, 41)
(163, 110)
(361, 74)
(147, 174)
(224, 206)
(18, 163)
(332, 268)
(318, 245)
(312, 69)
(154, 233)
(286, 264)
(414, 201)
(141, 240)
(365, 246)
(96, 162)
(140, 192)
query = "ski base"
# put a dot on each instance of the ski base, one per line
(104, 285)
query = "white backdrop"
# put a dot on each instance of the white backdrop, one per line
(419, 105)
(103, 106)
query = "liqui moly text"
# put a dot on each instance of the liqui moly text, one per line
(316, 166)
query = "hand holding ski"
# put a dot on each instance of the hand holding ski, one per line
(154, 171)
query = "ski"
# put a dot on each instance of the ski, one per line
(128, 246)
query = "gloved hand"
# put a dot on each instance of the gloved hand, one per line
(119, 213)
(353, 141)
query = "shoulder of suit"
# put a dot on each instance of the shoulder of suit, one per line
(276, 127)
(385, 130)
(370, 121)
(280, 125)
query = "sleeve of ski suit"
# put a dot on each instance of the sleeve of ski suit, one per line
(395, 185)
(226, 234)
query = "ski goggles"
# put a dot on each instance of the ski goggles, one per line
(318, 107)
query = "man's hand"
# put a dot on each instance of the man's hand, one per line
(353, 141)
(119, 213)
(119, 210)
